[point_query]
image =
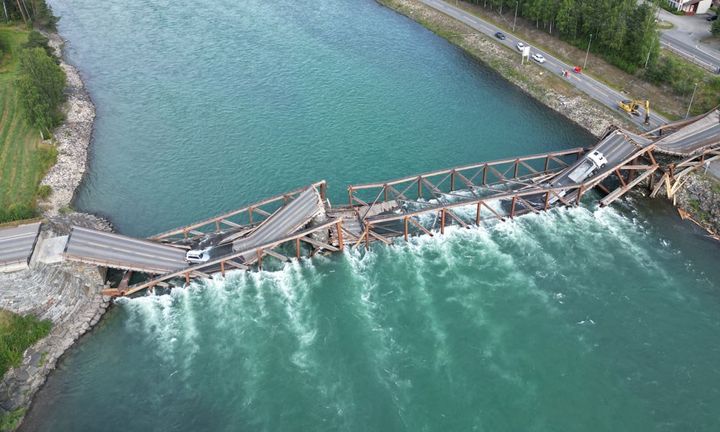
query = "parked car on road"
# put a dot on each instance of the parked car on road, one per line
(500, 35)
(538, 58)
(712, 18)
(520, 46)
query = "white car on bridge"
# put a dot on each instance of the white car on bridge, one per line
(198, 256)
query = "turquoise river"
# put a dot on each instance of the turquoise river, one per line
(584, 319)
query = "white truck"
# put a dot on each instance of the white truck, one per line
(593, 162)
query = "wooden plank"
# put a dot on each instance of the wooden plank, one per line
(456, 218)
(319, 244)
(258, 210)
(568, 152)
(380, 237)
(621, 191)
(277, 255)
(229, 223)
(528, 205)
(422, 228)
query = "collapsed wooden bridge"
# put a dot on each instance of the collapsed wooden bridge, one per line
(303, 222)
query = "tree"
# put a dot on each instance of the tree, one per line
(715, 29)
(41, 85)
(565, 20)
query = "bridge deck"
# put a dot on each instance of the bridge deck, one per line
(616, 147)
(301, 220)
(288, 219)
(17, 243)
(691, 138)
(122, 252)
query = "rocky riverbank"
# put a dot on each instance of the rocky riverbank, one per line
(68, 294)
(700, 197)
(550, 90)
(72, 138)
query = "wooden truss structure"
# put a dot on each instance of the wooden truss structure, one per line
(495, 190)
(518, 183)
(675, 175)
(245, 259)
(236, 220)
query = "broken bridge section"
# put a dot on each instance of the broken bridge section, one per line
(303, 222)
(122, 252)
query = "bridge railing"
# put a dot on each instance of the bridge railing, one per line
(229, 262)
(239, 219)
(628, 173)
(479, 179)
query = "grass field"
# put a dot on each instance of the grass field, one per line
(24, 160)
(17, 333)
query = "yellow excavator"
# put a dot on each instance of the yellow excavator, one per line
(632, 107)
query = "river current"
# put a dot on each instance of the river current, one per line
(579, 319)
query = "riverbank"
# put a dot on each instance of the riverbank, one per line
(548, 89)
(699, 195)
(67, 294)
(72, 139)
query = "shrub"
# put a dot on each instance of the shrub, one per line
(681, 77)
(38, 40)
(47, 155)
(44, 191)
(11, 420)
(17, 211)
(17, 333)
(41, 86)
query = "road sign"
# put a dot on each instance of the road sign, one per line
(525, 54)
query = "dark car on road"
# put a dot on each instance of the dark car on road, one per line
(500, 35)
(712, 18)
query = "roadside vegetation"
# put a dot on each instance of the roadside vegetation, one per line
(17, 333)
(624, 50)
(31, 95)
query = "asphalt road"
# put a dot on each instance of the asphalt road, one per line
(709, 58)
(119, 251)
(593, 88)
(16, 243)
(686, 36)
(615, 147)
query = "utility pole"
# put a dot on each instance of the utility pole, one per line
(648, 57)
(517, 3)
(587, 52)
(691, 101)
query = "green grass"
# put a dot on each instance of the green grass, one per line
(24, 159)
(11, 420)
(17, 333)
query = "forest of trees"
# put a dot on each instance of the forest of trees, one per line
(35, 12)
(40, 81)
(623, 31)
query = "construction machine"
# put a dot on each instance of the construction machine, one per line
(632, 107)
